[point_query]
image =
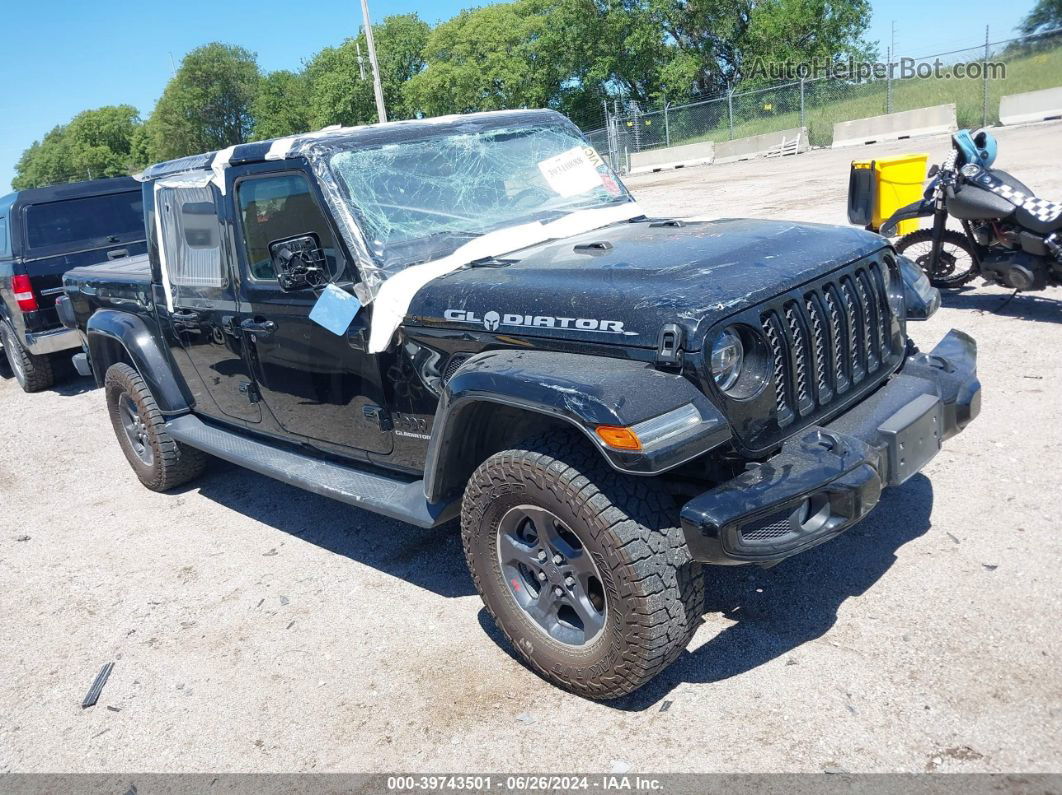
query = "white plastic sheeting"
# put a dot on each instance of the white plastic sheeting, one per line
(395, 295)
(406, 194)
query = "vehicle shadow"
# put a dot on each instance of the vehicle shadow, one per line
(774, 611)
(70, 385)
(1025, 306)
(778, 610)
(67, 381)
(430, 559)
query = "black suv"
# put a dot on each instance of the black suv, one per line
(472, 317)
(45, 232)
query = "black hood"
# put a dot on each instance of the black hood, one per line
(621, 284)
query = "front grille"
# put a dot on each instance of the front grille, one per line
(829, 341)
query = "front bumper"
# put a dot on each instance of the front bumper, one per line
(827, 478)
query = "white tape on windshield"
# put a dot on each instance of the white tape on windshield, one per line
(395, 294)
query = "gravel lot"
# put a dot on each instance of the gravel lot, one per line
(256, 627)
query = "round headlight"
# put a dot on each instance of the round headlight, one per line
(727, 358)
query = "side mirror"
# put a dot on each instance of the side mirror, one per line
(933, 170)
(299, 262)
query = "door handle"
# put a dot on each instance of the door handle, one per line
(263, 327)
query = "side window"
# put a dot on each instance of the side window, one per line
(276, 207)
(5, 240)
(191, 236)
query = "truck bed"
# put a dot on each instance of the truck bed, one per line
(123, 283)
(135, 270)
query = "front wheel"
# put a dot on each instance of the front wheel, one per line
(955, 265)
(584, 570)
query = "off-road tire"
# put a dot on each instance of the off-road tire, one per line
(33, 373)
(172, 463)
(951, 237)
(654, 593)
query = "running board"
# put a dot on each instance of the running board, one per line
(394, 498)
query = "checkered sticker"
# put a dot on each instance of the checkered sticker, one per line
(1043, 210)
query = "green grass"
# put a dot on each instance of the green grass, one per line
(827, 102)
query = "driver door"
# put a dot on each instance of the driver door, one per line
(316, 384)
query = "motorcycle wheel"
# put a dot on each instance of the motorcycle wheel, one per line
(955, 266)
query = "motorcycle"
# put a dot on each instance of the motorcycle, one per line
(1009, 236)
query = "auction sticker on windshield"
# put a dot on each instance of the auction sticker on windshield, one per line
(573, 172)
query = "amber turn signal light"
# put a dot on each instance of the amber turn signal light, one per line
(619, 438)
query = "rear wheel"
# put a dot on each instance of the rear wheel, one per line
(160, 462)
(32, 372)
(954, 267)
(584, 570)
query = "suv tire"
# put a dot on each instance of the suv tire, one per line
(33, 373)
(160, 462)
(637, 597)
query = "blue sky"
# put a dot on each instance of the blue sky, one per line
(62, 57)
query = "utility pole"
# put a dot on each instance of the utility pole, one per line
(361, 59)
(381, 111)
(173, 67)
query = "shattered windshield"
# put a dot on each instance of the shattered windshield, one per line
(420, 199)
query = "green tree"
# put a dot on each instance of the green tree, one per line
(572, 54)
(282, 105)
(95, 143)
(207, 104)
(338, 94)
(487, 59)
(712, 44)
(1045, 15)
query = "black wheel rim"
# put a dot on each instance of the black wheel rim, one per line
(551, 575)
(135, 429)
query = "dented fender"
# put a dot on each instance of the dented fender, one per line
(583, 392)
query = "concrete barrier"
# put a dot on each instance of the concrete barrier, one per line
(784, 142)
(895, 126)
(699, 154)
(1031, 106)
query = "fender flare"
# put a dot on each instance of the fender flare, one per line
(109, 330)
(919, 209)
(576, 390)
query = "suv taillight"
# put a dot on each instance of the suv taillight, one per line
(23, 290)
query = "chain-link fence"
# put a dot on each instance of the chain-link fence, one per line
(973, 79)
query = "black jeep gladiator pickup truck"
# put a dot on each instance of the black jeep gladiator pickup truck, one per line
(45, 232)
(470, 316)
